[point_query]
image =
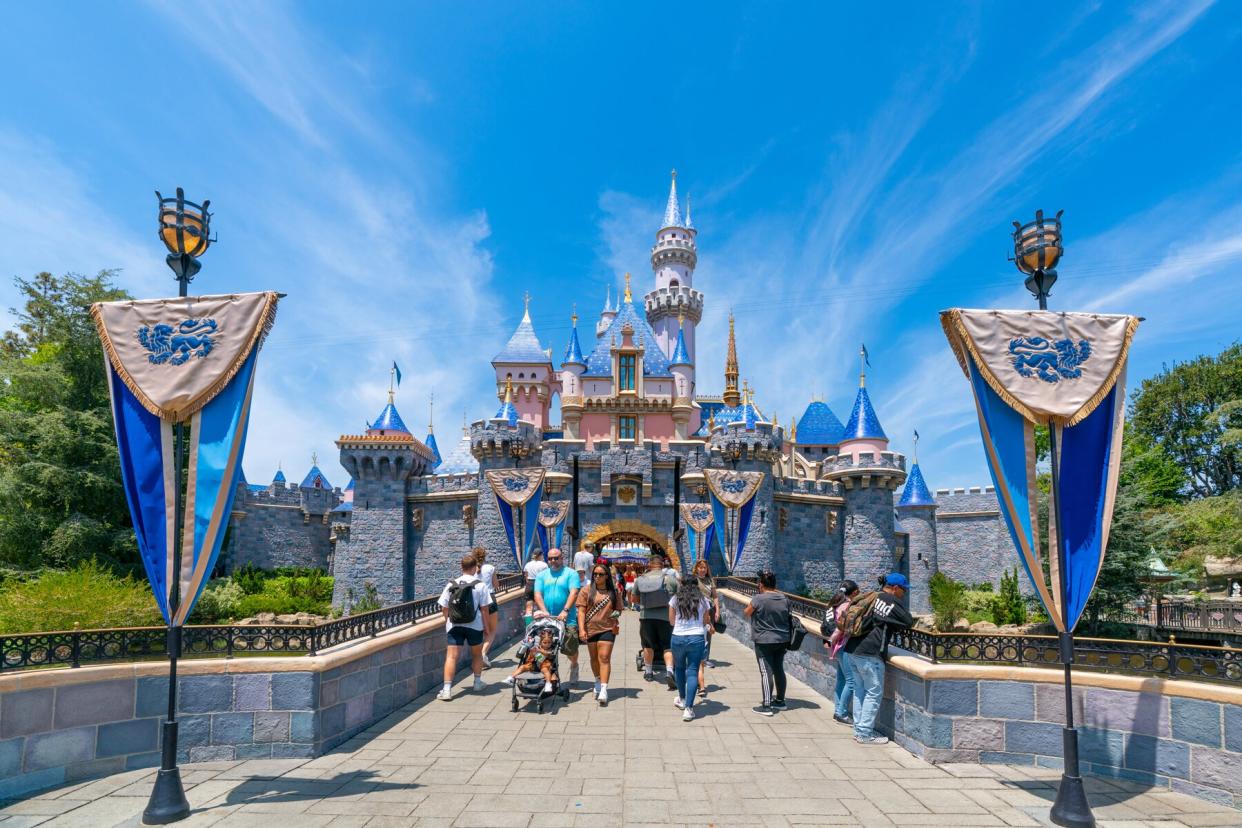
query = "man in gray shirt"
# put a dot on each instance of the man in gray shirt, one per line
(653, 590)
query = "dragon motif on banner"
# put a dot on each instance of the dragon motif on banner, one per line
(1051, 361)
(697, 515)
(552, 512)
(192, 339)
(733, 488)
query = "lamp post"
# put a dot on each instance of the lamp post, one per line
(184, 229)
(1037, 248)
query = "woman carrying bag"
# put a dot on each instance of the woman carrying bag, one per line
(771, 628)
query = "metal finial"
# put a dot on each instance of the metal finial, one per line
(628, 296)
(431, 413)
(574, 315)
(314, 458)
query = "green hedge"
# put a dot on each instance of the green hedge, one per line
(88, 595)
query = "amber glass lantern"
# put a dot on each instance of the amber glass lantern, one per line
(185, 229)
(1037, 248)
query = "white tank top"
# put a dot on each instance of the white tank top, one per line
(692, 626)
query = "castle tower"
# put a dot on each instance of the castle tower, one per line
(869, 474)
(527, 368)
(373, 551)
(606, 316)
(503, 442)
(751, 444)
(430, 442)
(731, 397)
(572, 367)
(685, 422)
(917, 510)
(673, 259)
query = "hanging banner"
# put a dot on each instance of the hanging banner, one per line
(1065, 371)
(191, 360)
(733, 501)
(518, 495)
(698, 520)
(552, 517)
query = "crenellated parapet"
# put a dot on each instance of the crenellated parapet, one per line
(497, 444)
(760, 443)
(674, 250)
(885, 469)
(666, 302)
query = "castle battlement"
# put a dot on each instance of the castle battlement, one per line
(670, 301)
(446, 483)
(885, 468)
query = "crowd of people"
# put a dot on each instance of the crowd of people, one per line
(677, 618)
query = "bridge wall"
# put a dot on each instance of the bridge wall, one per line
(1182, 735)
(58, 726)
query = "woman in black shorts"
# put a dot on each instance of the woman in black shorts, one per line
(599, 608)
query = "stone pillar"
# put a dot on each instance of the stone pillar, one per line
(920, 524)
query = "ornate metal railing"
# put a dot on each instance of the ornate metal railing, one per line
(1197, 616)
(73, 648)
(1168, 660)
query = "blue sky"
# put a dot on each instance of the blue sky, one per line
(405, 172)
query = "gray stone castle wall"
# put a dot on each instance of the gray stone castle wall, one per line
(807, 554)
(281, 526)
(870, 545)
(972, 543)
(919, 524)
(436, 549)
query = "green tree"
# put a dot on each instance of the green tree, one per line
(1187, 409)
(61, 499)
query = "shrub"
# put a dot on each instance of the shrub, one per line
(250, 578)
(369, 601)
(948, 601)
(220, 602)
(88, 595)
(1009, 607)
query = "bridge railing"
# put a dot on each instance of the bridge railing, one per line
(1112, 655)
(73, 648)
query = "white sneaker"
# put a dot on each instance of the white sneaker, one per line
(679, 704)
(507, 681)
(478, 684)
(688, 715)
(873, 740)
(444, 695)
(596, 691)
(602, 698)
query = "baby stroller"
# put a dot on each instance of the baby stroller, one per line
(529, 685)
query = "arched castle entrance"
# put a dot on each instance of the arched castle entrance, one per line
(632, 531)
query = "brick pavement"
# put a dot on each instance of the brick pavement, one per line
(473, 762)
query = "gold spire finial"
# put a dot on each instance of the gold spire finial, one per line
(731, 397)
(793, 429)
(674, 173)
(574, 316)
(508, 388)
(628, 297)
(681, 319)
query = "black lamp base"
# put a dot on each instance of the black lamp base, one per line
(168, 802)
(1071, 808)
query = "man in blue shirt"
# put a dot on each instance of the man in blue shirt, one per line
(556, 593)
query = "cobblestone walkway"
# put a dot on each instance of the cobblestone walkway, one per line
(473, 762)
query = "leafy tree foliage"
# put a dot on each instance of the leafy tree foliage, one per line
(1187, 409)
(61, 500)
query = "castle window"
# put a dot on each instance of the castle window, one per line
(626, 427)
(628, 364)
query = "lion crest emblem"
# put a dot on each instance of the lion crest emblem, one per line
(1051, 361)
(166, 345)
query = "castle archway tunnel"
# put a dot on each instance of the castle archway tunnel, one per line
(630, 541)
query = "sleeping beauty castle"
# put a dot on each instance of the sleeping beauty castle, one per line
(642, 460)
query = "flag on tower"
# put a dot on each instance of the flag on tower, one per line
(397, 373)
(866, 357)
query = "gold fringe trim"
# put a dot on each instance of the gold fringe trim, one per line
(494, 479)
(267, 318)
(964, 348)
(732, 501)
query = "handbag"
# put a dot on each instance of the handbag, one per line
(796, 633)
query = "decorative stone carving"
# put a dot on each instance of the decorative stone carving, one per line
(468, 514)
(416, 518)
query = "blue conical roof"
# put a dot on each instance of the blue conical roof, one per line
(350, 487)
(389, 420)
(916, 492)
(315, 480)
(819, 426)
(430, 443)
(573, 352)
(680, 355)
(863, 424)
(599, 363)
(280, 477)
(523, 347)
(507, 412)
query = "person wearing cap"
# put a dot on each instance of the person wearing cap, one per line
(868, 651)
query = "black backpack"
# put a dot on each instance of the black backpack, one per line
(461, 608)
(829, 625)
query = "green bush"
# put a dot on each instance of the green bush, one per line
(948, 601)
(88, 595)
(219, 603)
(369, 601)
(1009, 607)
(250, 579)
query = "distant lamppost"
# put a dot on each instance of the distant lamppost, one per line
(184, 229)
(1037, 248)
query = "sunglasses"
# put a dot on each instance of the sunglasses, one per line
(600, 574)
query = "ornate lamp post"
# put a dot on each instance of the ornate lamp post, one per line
(184, 229)
(1037, 248)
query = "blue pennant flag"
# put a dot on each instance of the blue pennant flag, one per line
(397, 373)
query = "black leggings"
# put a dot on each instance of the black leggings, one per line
(771, 658)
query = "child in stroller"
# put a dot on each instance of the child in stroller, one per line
(537, 676)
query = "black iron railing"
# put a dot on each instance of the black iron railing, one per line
(73, 648)
(1103, 654)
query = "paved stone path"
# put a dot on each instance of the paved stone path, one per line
(473, 762)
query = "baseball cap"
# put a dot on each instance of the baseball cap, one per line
(897, 579)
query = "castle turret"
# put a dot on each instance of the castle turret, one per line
(430, 442)
(685, 422)
(751, 447)
(372, 551)
(527, 367)
(673, 259)
(917, 510)
(572, 367)
(818, 432)
(869, 474)
(606, 316)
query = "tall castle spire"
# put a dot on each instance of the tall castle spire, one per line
(672, 212)
(731, 396)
